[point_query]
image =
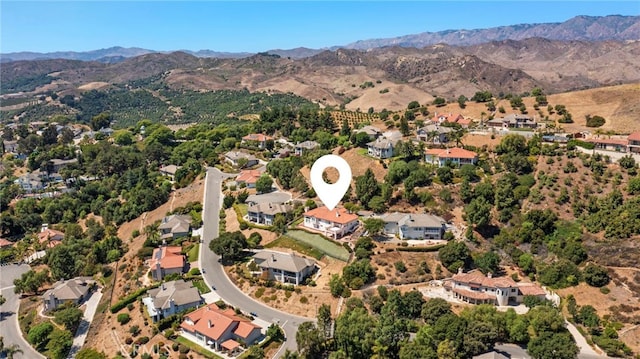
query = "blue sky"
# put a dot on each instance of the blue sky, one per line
(46, 26)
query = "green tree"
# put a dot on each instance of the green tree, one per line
(478, 212)
(595, 275)
(90, 353)
(373, 225)
(310, 341)
(254, 352)
(229, 245)
(2, 299)
(325, 320)
(366, 187)
(488, 262)
(336, 285)
(60, 343)
(404, 125)
(445, 174)
(454, 255)
(551, 345)
(355, 334)
(9, 351)
(39, 335)
(69, 317)
(102, 120)
(31, 281)
(433, 309)
(264, 183)
(462, 99)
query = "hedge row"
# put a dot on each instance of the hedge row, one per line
(421, 249)
(131, 298)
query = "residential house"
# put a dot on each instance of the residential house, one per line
(440, 118)
(371, 131)
(256, 139)
(10, 146)
(381, 147)
(169, 171)
(48, 237)
(633, 142)
(166, 260)
(31, 182)
(171, 298)
(74, 290)
(610, 144)
(265, 213)
(414, 225)
(282, 153)
(175, 226)
(434, 134)
(305, 146)
(58, 164)
(235, 158)
(335, 223)
(457, 156)
(476, 288)
(491, 355)
(513, 121)
(284, 267)
(107, 131)
(219, 329)
(248, 178)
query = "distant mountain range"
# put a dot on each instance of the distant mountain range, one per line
(585, 28)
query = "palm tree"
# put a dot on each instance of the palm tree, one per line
(9, 351)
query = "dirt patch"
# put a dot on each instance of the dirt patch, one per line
(93, 86)
(233, 225)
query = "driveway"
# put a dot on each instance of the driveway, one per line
(214, 273)
(9, 327)
(91, 306)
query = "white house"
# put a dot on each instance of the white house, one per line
(171, 298)
(414, 225)
(476, 288)
(284, 267)
(335, 223)
(457, 156)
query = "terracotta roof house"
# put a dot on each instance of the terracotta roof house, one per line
(634, 142)
(256, 139)
(50, 237)
(169, 171)
(74, 290)
(265, 213)
(476, 288)
(439, 118)
(248, 178)
(457, 156)
(513, 121)
(284, 267)
(609, 144)
(175, 226)
(166, 260)
(414, 225)
(219, 329)
(235, 157)
(171, 298)
(434, 133)
(305, 147)
(335, 223)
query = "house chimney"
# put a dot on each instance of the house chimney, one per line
(460, 270)
(209, 324)
(44, 227)
(489, 275)
(273, 257)
(158, 270)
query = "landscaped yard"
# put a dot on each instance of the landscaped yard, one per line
(322, 244)
(201, 285)
(197, 348)
(193, 253)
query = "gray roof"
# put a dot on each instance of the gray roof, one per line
(170, 169)
(72, 289)
(59, 162)
(179, 291)
(382, 143)
(308, 145)
(269, 208)
(491, 355)
(369, 130)
(414, 219)
(178, 223)
(435, 128)
(236, 155)
(513, 119)
(283, 261)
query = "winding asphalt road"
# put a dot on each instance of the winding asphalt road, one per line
(214, 272)
(9, 327)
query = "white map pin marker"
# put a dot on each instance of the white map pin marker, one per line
(330, 194)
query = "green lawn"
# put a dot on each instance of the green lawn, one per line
(242, 208)
(196, 348)
(322, 244)
(300, 247)
(201, 285)
(193, 253)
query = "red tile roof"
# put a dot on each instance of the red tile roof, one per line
(257, 137)
(48, 234)
(230, 344)
(530, 289)
(476, 277)
(455, 152)
(608, 141)
(249, 176)
(634, 136)
(473, 295)
(5, 243)
(212, 322)
(170, 257)
(336, 215)
(448, 117)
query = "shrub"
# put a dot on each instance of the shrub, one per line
(130, 306)
(194, 271)
(128, 341)
(130, 298)
(304, 300)
(183, 349)
(595, 275)
(142, 340)
(400, 267)
(123, 318)
(169, 333)
(175, 347)
(134, 330)
(605, 290)
(595, 121)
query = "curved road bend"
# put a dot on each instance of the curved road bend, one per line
(214, 272)
(9, 327)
